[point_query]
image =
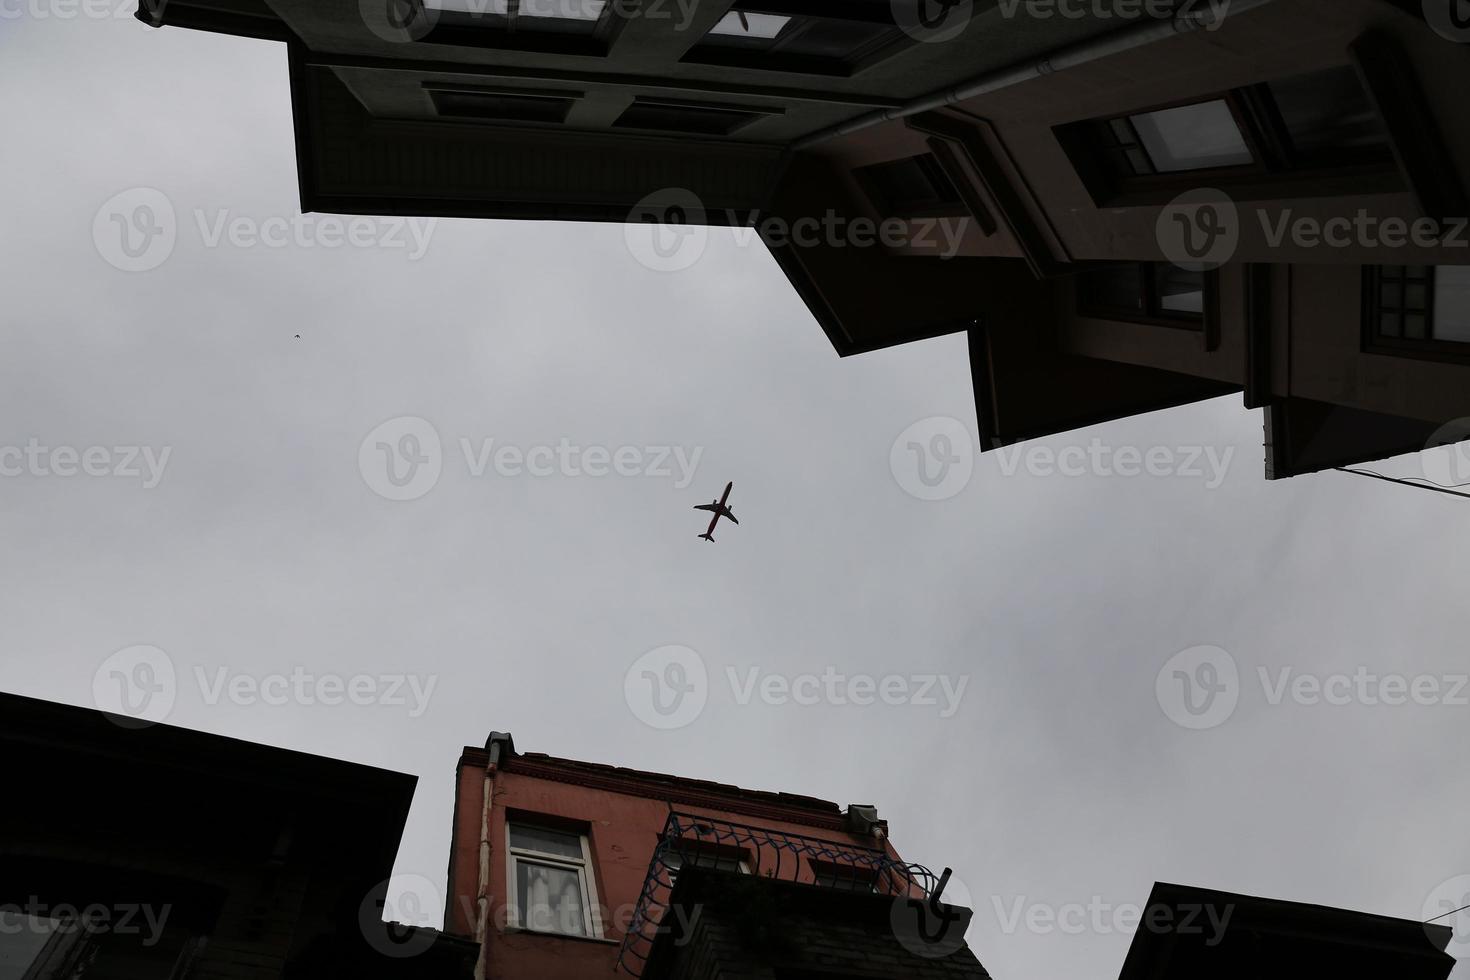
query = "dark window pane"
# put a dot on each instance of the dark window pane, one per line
(909, 187)
(1414, 327)
(1180, 292)
(835, 39)
(1452, 303)
(1414, 296)
(1192, 137)
(546, 841)
(1388, 325)
(1116, 288)
(1391, 295)
(702, 118)
(1327, 111)
(502, 105)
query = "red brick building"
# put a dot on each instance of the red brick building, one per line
(566, 870)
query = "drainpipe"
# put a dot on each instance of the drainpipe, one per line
(1184, 21)
(500, 747)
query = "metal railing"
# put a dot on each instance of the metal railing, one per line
(689, 841)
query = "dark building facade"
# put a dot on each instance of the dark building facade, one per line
(568, 870)
(157, 853)
(1000, 167)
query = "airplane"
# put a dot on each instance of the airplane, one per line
(720, 510)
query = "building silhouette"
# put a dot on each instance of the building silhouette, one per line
(147, 852)
(564, 870)
(919, 168)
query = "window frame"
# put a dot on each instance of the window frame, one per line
(835, 870)
(1152, 313)
(591, 911)
(597, 42)
(1277, 168)
(805, 15)
(928, 162)
(1427, 348)
(741, 116)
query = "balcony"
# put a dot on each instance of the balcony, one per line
(760, 889)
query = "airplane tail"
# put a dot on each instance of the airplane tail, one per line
(708, 536)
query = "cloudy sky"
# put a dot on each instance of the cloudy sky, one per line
(1068, 774)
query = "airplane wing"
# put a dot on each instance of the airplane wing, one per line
(725, 512)
(710, 507)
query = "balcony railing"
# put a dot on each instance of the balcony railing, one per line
(690, 841)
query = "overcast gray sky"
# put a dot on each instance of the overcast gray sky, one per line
(1060, 780)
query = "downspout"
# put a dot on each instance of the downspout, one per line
(1139, 35)
(499, 747)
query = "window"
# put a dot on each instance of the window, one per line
(703, 118)
(551, 881)
(845, 877)
(805, 36)
(1144, 292)
(910, 188)
(1418, 309)
(517, 106)
(554, 26)
(703, 857)
(1305, 127)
